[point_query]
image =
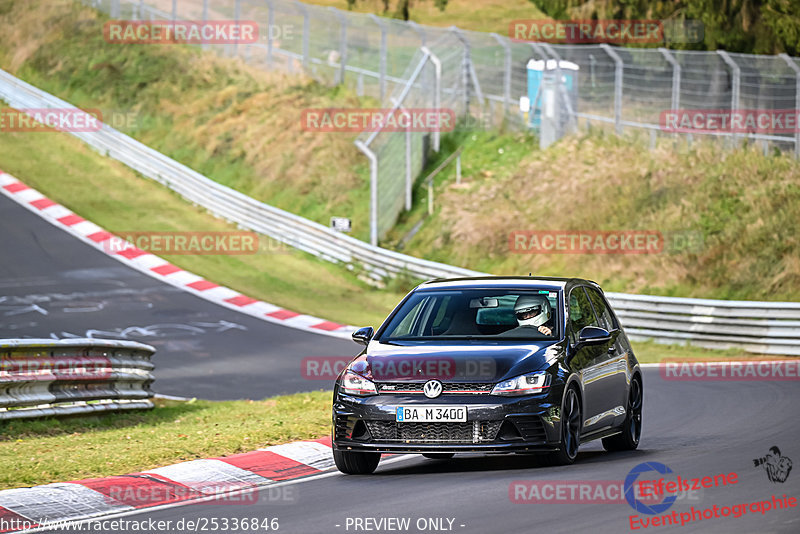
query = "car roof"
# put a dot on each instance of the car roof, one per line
(503, 281)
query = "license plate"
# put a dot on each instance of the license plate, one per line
(431, 414)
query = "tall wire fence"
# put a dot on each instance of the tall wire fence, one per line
(484, 77)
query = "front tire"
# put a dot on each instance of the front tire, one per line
(570, 430)
(355, 462)
(628, 440)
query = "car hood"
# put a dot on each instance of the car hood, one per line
(484, 362)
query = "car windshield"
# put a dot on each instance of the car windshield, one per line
(501, 314)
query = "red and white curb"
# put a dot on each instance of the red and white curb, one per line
(159, 268)
(227, 480)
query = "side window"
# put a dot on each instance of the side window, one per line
(606, 319)
(580, 313)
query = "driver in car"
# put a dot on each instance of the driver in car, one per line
(532, 311)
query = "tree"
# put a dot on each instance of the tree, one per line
(755, 26)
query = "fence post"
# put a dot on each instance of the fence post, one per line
(734, 87)
(237, 14)
(465, 61)
(373, 191)
(205, 19)
(382, 73)
(506, 73)
(572, 119)
(409, 183)
(304, 10)
(617, 86)
(437, 92)
(342, 44)
(675, 101)
(796, 69)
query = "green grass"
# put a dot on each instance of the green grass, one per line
(42, 451)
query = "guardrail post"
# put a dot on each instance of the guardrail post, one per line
(437, 92)
(675, 101)
(618, 64)
(342, 44)
(506, 73)
(796, 69)
(382, 73)
(373, 191)
(735, 84)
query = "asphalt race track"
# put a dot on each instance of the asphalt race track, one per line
(52, 284)
(696, 428)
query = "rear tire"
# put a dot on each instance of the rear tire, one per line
(355, 462)
(628, 440)
(570, 430)
(438, 455)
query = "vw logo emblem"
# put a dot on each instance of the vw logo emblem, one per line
(432, 389)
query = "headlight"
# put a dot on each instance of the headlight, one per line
(523, 385)
(353, 384)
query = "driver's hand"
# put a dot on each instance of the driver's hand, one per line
(545, 330)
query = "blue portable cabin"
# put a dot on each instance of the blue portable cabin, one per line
(537, 69)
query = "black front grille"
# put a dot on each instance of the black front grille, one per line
(447, 387)
(450, 432)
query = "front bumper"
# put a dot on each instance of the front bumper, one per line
(494, 424)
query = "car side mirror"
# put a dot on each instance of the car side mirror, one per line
(363, 335)
(592, 335)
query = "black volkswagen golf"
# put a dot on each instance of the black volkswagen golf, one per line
(489, 364)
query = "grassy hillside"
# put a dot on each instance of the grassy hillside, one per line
(740, 209)
(236, 124)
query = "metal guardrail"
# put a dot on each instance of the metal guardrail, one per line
(45, 377)
(760, 327)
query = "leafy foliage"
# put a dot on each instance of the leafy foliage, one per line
(754, 26)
